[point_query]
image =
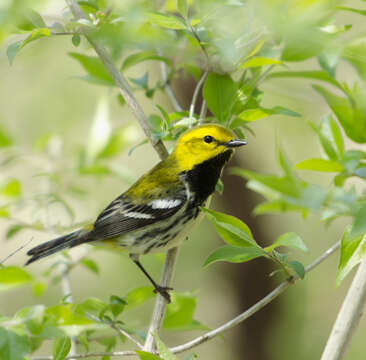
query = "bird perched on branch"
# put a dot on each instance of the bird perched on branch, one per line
(156, 213)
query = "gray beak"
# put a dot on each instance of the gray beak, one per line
(235, 143)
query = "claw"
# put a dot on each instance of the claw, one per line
(163, 291)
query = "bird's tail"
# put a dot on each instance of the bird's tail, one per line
(63, 242)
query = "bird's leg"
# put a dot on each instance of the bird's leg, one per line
(162, 290)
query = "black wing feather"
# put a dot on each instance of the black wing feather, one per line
(122, 216)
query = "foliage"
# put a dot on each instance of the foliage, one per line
(232, 66)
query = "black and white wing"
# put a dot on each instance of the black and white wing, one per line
(122, 216)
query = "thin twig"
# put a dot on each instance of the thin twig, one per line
(168, 89)
(160, 304)
(196, 93)
(240, 318)
(117, 329)
(15, 251)
(203, 112)
(348, 318)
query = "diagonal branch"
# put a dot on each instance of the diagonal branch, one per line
(228, 325)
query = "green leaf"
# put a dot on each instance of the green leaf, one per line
(143, 355)
(219, 91)
(4, 212)
(180, 312)
(182, 7)
(141, 57)
(94, 67)
(351, 118)
(12, 276)
(353, 249)
(320, 165)
(356, 11)
(76, 40)
(289, 239)
(235, 254)
(35, 18)
(298, 268)
(5, 139)
(359, 223)
(164, 351)
(117, 305)
(90, 264)
(35, 35)
(251, 115)
(11, 188)
(232, 230)
(12, 345)
(13, 230)
(12, 50)
(167, 21)
(354, 52)
(139, 295)
(313, 75)
(259, 61)
(61, 347)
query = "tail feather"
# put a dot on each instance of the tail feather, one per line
(63, 242)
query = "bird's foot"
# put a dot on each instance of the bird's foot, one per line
(164, 292)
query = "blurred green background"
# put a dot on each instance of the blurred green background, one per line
(42, 95)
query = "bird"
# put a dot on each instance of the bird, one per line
(157, 212)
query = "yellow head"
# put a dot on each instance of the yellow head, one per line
(203, 143)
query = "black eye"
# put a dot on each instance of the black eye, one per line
(208, 139)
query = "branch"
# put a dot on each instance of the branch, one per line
(120, 82)
(15, 251)
(167, 87)
(348, 318)
(255, 308)
(195, 94)
(228, 325)
(160, 304)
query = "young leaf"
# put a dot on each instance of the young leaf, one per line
(298, 268)
(76, 40)
(320, 165)
(13, 230)
(35, 35)
(167, 21)
(139, 295)
(219, 92)
(235, 254)
(289, 239)
(353, 249)
(259, 61)
(232, 230)
(12, 276)
(350, 117)
(12, 50)
(61, 347)
(94, 67)
(359, 224)
(141, 57)
(164, 351)
(117, 305)
(11, 188)
(143, 355)
(90, 264)
(314, 75)
(12, 345)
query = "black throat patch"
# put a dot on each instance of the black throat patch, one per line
(202, 179)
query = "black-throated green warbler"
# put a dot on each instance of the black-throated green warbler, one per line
(156, 213)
